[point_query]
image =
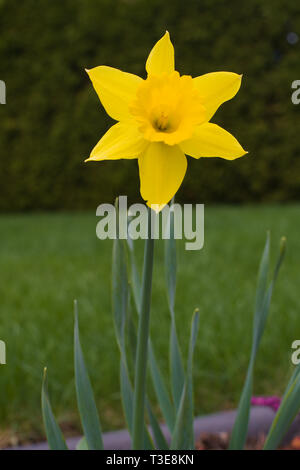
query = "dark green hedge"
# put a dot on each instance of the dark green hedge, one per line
(53, 118)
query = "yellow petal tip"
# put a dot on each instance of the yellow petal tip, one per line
(245, 152)
(161, 57)
(156, 207)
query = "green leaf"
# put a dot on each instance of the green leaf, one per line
(176, 364)
(119, 290)
(127, 389)
(127, 401)
(126, 394)
(85, 397)
(120, 300)
(240, 429)
(121, 314)
(262, 281)
(262, 307)
(82, 444)
(54, 435)
(295, 374)
(183, 436)
(142, 342)
(170, 260)
(135, 278)
(285, 415)
(159, 438)
(164, 401)
(160, 388)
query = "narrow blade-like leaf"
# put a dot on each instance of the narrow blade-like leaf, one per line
(85, 396)
(160, 388)
(119, 289)
(176, 365)
(54, 435)
(122, 317)
(183, 436)
(262, 307)
(158, 435)
(164, 401)
(82, 444)
(285, 415)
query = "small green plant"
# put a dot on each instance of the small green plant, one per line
(176, 407)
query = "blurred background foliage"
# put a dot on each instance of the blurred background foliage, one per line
(53, 118)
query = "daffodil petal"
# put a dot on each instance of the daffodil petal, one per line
(210, 140)
(116, 90)
(161, 58)
(123, 140)
(216, 88)
(162, 169)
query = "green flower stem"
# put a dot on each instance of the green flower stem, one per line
(142, 344)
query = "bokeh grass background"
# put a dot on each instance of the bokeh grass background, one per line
(47, 260)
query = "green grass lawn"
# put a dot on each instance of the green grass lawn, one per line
(47, 260)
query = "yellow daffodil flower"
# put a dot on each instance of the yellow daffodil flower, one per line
(163, 118)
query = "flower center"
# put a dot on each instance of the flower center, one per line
(167, 108)
(161, 123)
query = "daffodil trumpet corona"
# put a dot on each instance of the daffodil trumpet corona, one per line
(162, 119)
